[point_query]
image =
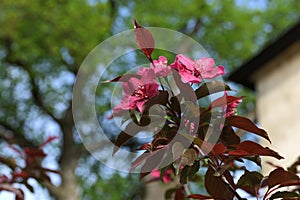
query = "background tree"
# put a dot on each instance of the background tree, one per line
(42, 45)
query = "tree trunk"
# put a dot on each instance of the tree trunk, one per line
(69, 188)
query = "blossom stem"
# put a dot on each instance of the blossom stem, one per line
(186, 189)
(169, 86)
(158, 77)
(232, 188)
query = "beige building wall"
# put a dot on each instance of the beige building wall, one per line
(278, 104)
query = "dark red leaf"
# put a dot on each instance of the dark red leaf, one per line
(179, 194)
(279, 176)
(146, 146)
(229, 137)
(211, 88)
(10, 188)
(247, 125)
(21, 174)
(199, 196)
(144, 39)
(284, 195)
(34, 153)
(139, 160)
(219, 149)
(130, 131)
(161, 98)
(216, 187)
(48, 140)
(290, 183)
(224, 100)
(152, 161)
(249, 148)
(50, 170)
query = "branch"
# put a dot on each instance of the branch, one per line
(232, 188)
(37, 97)
(17, 136)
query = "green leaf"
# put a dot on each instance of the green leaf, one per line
(188, 172)
(250, 182)
(169, 193)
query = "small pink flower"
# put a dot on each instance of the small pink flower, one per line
(192, 125)
(193, 71)
(159, 66)
(231, 107)
(138, 91)
(166, 177)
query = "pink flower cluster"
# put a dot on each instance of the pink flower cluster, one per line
(137, 91)
(193, 71)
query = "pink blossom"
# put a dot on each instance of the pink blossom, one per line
(192, 125)
(231, 107)
(166, 177)
(159, 66)
(138, 91)
(193, 71)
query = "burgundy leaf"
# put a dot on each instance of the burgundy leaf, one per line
(211, 88)
(285, 195)
(224, 100)
(152, 162)
(139, 160)
(249, 148)
(199, 196)
(279, 176)
(144, 39)
(290, 183)
(216, 187)
(10, 188)
(48, 140)
(179, 194)
(229, 137)
(50, 170)
(34, 153)
(247, 125)
(21, 174)
(219, 149)
(130, 131)
(161, 98)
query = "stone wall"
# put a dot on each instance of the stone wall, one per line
(278, 104)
